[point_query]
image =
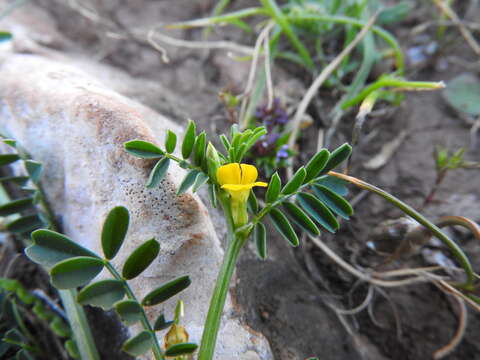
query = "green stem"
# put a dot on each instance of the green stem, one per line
(389, 81)
(385, 35)
(157, 352)
(276, 13)
(79, 325)
(217, 302)
(435, 230)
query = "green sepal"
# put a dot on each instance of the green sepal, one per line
(161, 323)
(143, 149)
(337, 156)
(170, 141)
(50, 247)
(316, 164)
(140, 259)
(335, 202)
(139, 344)
(129, 311)
(260, 237)
(318, 211)
(75, 272)
(188, 140)
(283, 226)
(300, 218)
(114, 231)
(181, 349)
(166, 291)
(295, 182)
(158, 173)
(273, 189)
(102, 293)
(16, 206)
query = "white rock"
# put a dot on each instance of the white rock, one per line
(77, 126)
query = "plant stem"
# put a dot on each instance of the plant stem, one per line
(435, 230)
(276, 13)
(79, 325)
(157, 352)
(217, 302)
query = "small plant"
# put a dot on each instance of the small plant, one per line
(311, 197)
(23, 311)
(71, 265)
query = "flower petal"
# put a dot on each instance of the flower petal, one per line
(237, 187)
(260, 183)
(249, 174)
(229, 174)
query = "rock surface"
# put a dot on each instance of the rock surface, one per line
(76, 125)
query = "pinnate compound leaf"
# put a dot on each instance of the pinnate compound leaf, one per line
(188, 140)
(316, 164)
(283, 226)
(76, 271)
(181, 349)
(139, 344)
(161, 323)
(300, 218)
(6, 159)
(335, 202)
(50, 247)
(273, 189)
(337, 156)
(170, 141)
(260, 237)
(187, 181)
(166, 291)
(34, 170)
(337, 185)
(25, 224)
(114, 231)
(295, 182)
(158, 173)
(143, 149)
(103, 293)
(15, 206)
(318, 211)
(140, 259)
(130, 311)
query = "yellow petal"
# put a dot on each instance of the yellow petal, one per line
(229, 174)
(260, 183)
(237, 187)
(249, 174)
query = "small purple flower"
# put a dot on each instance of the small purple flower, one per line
(277, 115)
(282, 153)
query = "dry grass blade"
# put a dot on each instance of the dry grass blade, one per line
(447, 10)
(457, 338)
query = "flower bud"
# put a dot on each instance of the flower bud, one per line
(213, 161)
(176, 335)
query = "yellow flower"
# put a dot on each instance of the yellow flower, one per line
(238, 179)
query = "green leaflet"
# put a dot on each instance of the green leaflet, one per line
(318, 211)
(166, 291)
(114, 231)
(74, 272)
(170, 141)
(273, 190)
(283, 226)
(300, 218)
(140, 259)
(143, 149)
(260, 237)
(158, 173)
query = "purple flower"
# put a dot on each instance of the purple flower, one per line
(282, 153)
